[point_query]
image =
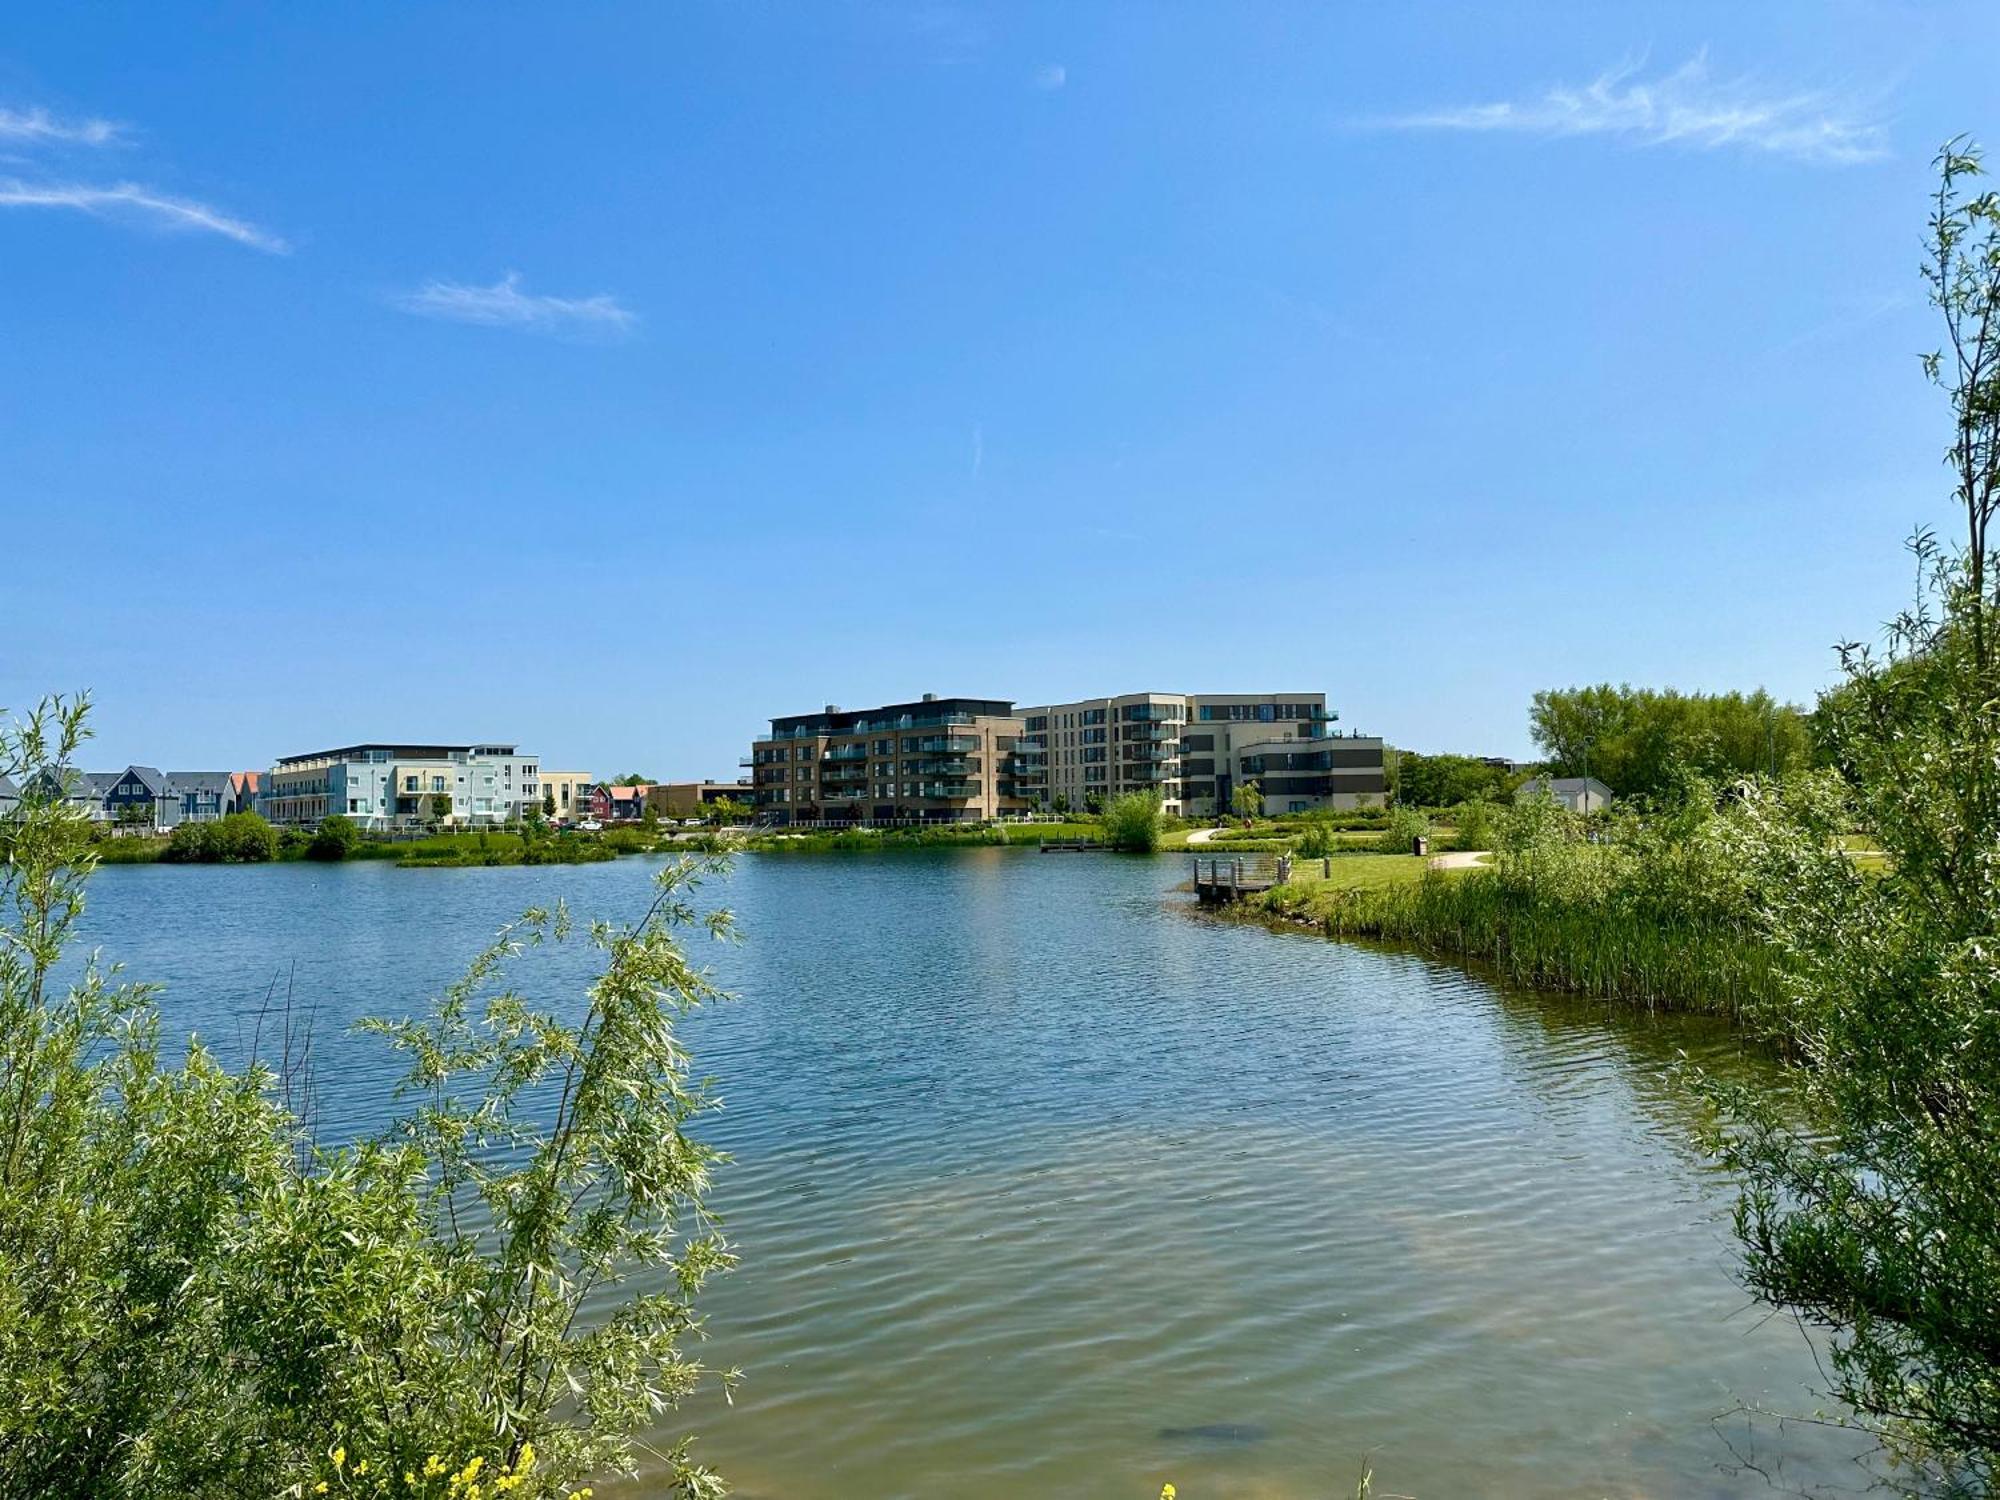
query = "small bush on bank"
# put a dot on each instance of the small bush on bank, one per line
(1132, 822)
(1404, 825)
(239, 839)
(335, 838)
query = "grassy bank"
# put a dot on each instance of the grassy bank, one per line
(1652, 922)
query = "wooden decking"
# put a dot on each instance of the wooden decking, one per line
(1225, 878)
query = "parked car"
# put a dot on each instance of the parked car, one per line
(590, 825)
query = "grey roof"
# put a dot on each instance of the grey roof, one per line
(149, 777)
(182, 782)
(97, 783)
(7, 787)
(1559, 785)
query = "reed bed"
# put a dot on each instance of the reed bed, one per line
(1551, 937)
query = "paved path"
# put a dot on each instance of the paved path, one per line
(1202, 836)
(1465, 861)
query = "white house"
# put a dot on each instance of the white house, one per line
(1580, 794)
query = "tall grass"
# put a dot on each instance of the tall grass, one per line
(1660, 919)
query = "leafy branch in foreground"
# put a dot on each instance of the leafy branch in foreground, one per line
(1871, 1204)
(197, 1299)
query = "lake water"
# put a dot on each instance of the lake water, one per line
(1045, 1187)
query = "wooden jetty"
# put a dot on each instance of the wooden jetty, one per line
(1070, 846)
(1223, 878)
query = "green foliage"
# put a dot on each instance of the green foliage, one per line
(1246, 800)
(1476, 825)
(1661, 916)
(1131, 822)
(199, 1299)
(1319, 839)
(1872, 1208)
(236, 839)
(1404, 825)
(1635, 740)
(1445, 780)
(334, 839)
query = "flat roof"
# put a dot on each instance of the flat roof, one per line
(413, 752)
(842, 719)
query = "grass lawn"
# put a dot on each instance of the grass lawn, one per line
(1356, 872)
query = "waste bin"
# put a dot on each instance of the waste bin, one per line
(1420, 845)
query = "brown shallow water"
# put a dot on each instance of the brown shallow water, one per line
(1044, 1189)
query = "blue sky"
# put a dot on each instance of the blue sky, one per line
(613, 378)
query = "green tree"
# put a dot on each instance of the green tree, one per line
(1247, 801)
(1131, 822)
(440, 809)
(1446, 780)
(1871, 1204)
(1636, 740)
(197, 1298)
(333, 840)
(548, 802)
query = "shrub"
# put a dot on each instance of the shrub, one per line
(335, 837)
(1132, 822)
(197, 1298)
(1402, 826)
(1319, 840)
(1476, 826)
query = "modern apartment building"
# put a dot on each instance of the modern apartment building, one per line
(1195, 749)
(938, 760)
(570, 791)
(382, 786)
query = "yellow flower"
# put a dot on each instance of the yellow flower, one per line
(433, 1466)
(410, 1478)
(527, 1459)
(320, 1488)
(1167, 1492)
(362, 1467)
(340, 1457)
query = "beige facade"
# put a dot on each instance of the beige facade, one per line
(570, 791)
(938, 760)
(1195, 749)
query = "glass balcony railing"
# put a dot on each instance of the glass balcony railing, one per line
(846, 752)
(957, 744)
(947, 791)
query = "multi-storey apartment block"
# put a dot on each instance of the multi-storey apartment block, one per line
(402, 786)
(938, 760)
(1194, 750)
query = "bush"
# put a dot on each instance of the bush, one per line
(1403, 825)
(197, 1298)
(238, 839)
(1476, 826)
(1319, 839)
(1132, 822)
(334, 839)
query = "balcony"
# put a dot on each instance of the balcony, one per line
(948, 791)
(846, 752)
(962, 744)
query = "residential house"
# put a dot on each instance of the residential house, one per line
(1580, 794)
(145, 797)
(570, 792)
(382, 785)
(618, 804)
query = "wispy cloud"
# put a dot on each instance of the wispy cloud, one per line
(1050, 77)
(506, 305)
(1687, 107)
(41, 126)
(129, 200)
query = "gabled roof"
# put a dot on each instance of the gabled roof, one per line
(179, 783)
(95, 783)
(7, 787)
(1560, 785)
(245, 781)
(626, 793)
(150, 777)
